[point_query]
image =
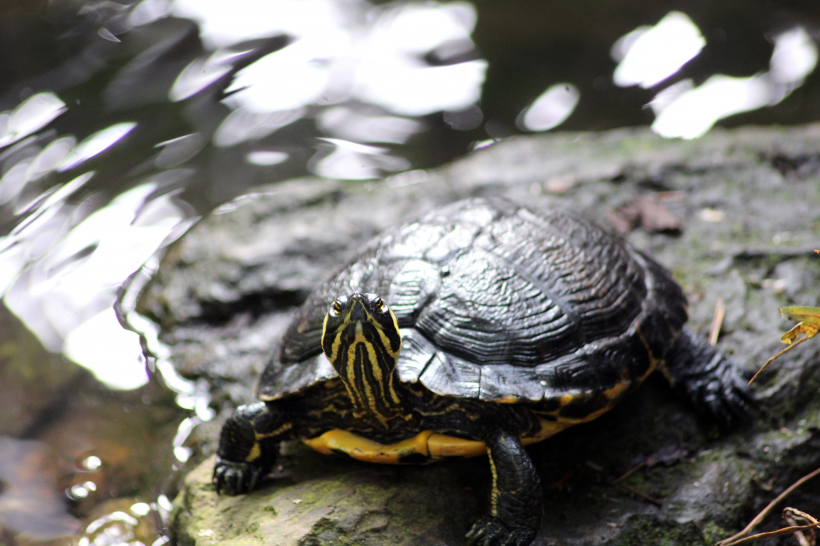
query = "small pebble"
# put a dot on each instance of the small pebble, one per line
(712, 215)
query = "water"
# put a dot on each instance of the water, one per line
(122, 123)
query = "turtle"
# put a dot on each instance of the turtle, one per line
(481, 328)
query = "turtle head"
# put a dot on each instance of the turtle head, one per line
(361, 339)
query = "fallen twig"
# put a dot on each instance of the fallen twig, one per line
(761, 536)
(634, 491)
(799, 514)
(717, 321)
(629, 472)
(785, 251)
(808, 325)
(791, 515)
(735, 539)
(772, 359)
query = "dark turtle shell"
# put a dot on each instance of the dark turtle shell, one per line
(499, 302)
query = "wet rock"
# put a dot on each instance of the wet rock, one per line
(316, 500)
(224, 295)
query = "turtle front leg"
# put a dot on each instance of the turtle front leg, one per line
(248, 447)
(514, 513)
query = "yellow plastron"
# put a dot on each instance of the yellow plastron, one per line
(425, 447)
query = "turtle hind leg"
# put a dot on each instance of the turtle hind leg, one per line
(514, 514)
(715, 383)
(248, 447)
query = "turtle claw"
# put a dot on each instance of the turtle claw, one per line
(235, 478)
(491, 531)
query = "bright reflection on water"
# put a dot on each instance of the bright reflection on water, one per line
(349, 160)
(126, 526)
(345, 55)
(649, 55)
(113, 354)
(696, 110)
(263, 157)
(550, 109)
(362, 127)
(32, 115)
(68, 272)
(95, 144)
(693, 111)
(362, 72)
(794, 57)
(14, 182)
(304, 65)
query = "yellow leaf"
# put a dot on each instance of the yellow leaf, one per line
(809, 325)
(809, 322)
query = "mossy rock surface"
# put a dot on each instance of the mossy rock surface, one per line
(747, 207)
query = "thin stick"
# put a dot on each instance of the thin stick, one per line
(630, 472)
(768, 509)
(794, 512)
(634, 491)
(787, 349)
(761, 536)
(717, 321)
(791, 515)
(801, 538)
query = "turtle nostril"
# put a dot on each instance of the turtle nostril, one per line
(358, 312)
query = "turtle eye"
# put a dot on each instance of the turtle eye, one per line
(336, 308)
(380, 305)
